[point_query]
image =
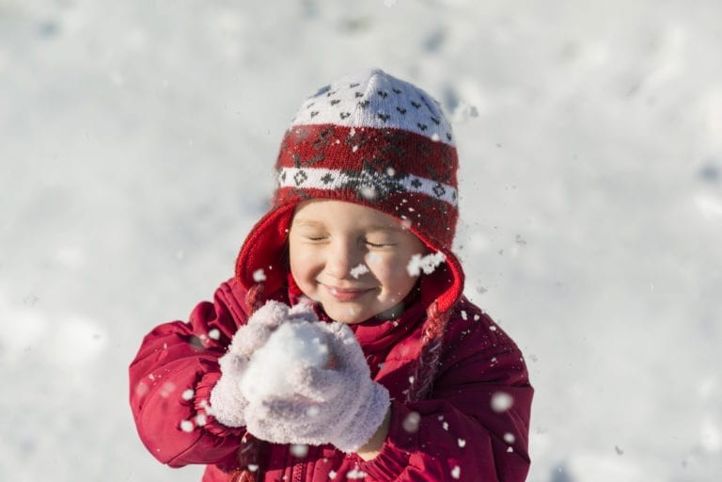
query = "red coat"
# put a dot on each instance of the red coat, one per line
(461, 434)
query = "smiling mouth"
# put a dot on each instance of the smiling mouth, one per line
(346, 294)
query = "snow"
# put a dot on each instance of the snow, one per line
(292, 345)
(456, 472)
(359, 270)
(411, 422)
(186, 425)
(259, 276)
(299, 450)
(138, 140)
(501, 402)
(427, 263)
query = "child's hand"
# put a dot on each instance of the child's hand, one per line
(337, 403)
(227, 402)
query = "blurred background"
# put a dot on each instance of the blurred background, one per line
(137, 140)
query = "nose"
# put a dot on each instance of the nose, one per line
(342, 258)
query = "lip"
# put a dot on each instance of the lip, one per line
(346, 294)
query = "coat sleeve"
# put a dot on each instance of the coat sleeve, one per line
(171, 379)
(475, 424)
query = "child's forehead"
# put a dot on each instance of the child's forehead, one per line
(331, 213)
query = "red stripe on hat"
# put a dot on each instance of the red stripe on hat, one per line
(355, 148)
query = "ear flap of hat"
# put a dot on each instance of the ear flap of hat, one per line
(262, 258)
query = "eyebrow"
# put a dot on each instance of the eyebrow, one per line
(373, 227)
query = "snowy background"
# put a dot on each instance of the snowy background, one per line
(137, 141)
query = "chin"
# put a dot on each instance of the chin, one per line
(343, 314)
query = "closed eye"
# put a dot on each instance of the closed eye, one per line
(379, 245)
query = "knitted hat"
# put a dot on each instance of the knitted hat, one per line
(374, 140)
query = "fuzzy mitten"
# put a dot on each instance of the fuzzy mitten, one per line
(337, 403)
(227, 402)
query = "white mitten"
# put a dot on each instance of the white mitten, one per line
(333, 402)
(227, 402)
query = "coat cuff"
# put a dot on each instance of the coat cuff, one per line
(400, 442)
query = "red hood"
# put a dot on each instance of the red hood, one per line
(264, 255)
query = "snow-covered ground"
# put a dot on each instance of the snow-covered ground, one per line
(137, 140)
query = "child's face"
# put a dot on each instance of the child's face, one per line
(352, 259)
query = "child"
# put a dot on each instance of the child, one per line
(343, 347)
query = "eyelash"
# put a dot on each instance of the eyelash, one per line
(373, 245)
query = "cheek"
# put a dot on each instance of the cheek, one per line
(390, 270)
(303, 265)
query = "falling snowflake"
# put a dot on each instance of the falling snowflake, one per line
(259, 276)
(201, 419)
(427, 263)
(299, 450)
(332, 474)
(167, 389)
(509, 438)
(464, 316)
(186, 426)
(411, 422)
(462, 442)
(456, 472)
(214, 334)
(252, 467)
(359, 270)
(501, 402)
(356, 474)
(445, 426)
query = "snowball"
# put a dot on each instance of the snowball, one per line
(186, 426)
(456, 472)
(294, 344)
(359, 270)
(501, 402)
(259, 275)
(411, 422)
(299, 450)
(427, 263)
